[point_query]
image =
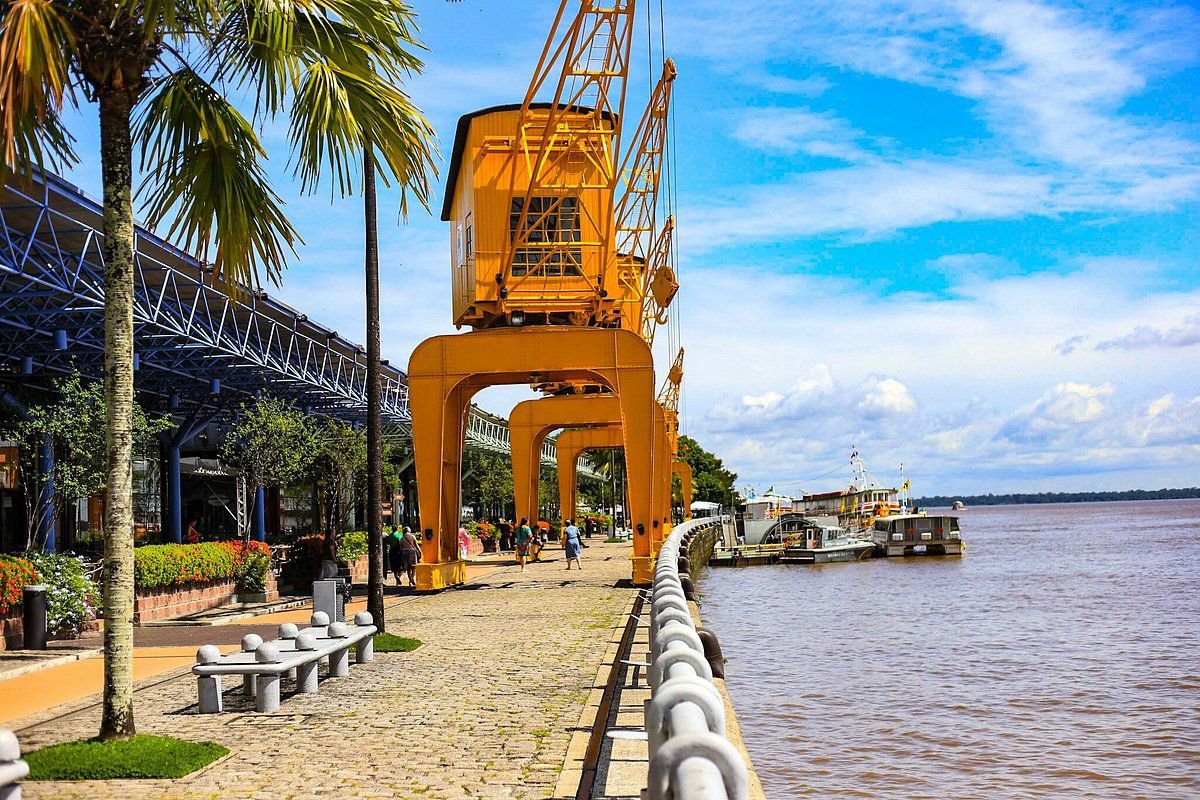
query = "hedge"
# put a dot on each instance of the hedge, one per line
(15, 575)
(163, 565)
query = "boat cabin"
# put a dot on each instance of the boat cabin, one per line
(918, 533)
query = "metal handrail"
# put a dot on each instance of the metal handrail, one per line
(690, 757)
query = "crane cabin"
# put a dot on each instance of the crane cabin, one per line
(529, 199)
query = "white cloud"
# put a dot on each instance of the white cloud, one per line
(888, 397)
(763, 401)
(799, 130)
(994, 412)
(1145, 336)
(1065, 407)
(870, 199)
(1053, 84)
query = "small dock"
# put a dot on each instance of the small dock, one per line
(746, 555)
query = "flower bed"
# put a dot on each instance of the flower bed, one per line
(15, 575)
(172, 580)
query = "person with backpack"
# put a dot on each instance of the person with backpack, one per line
(524, 542)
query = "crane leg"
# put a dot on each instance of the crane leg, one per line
(444, 374)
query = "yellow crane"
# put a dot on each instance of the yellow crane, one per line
(530, 201)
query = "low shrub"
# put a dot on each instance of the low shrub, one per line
(251, 572)
(15, 575)
(351, 546)
(71, 596)
(163, 565)
(139, 757)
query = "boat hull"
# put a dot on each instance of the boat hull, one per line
(905, 549)
(827, 555)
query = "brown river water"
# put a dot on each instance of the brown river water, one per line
(1058, 658)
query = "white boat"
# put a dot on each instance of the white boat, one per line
(822, 544)
(959, 505)
(918, 535)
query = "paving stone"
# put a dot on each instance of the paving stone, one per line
(484, 710)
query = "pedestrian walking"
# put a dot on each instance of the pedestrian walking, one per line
(410, 554)
(524, 537)
(464, 544)
(506, 534)
(572, 544)
(394, 557)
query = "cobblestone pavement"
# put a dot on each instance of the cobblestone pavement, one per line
(485, 709)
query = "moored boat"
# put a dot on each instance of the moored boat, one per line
(917, 534)
(806, 542)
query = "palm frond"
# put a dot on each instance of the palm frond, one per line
(36, 47)
(203, 163)
(339, 112)
(254, 45)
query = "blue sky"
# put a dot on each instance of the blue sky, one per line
(959, 235)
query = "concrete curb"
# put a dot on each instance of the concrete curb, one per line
(47, 663)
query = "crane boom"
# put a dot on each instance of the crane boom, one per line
(567, 147)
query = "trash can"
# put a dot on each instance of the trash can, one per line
(35, 617)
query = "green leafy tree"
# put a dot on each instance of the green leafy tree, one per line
(711, 482)
(488, 483)
(73, 419)
(169, 67)
(342, 466)
(271, 443)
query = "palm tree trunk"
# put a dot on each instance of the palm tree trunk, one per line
(374, 390)
(116, 158)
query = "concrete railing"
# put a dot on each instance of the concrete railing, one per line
(12, 767)
(685, 716)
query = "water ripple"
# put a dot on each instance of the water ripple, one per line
(1059, 658)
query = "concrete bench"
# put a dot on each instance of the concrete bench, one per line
(12, 768)
(296, 652)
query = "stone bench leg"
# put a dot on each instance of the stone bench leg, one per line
(339, 663)
(267, 698)
(364, 651)
(248, 685)
(306, 677)
(208, 693)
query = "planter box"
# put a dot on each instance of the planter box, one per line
(12, 629)
(177, 601)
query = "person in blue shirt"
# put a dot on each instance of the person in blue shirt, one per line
(572, 543)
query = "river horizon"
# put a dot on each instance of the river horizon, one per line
(1059, 657)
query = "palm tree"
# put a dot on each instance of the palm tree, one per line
(160, 72)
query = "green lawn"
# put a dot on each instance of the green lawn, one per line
(390, 643)
(139, 757)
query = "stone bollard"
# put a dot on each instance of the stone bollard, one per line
(12, 768)
(306, 674)
(319, 619)
(339, 660)
(250, 643)
(208, 687)
(289, 631)
(268, 683)
(364, 651)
